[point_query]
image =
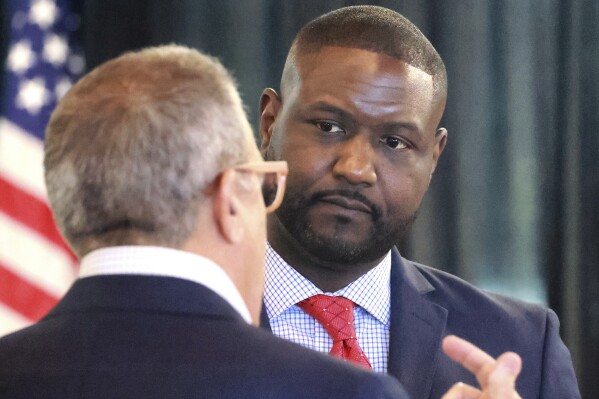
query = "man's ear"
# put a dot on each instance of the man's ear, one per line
(226, 207)
(270, 105)
(440, 142)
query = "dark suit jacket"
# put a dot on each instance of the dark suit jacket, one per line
(160, 337)
(428, 304)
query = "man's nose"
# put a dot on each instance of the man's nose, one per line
(355, 161)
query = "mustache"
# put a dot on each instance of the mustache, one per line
(349, 194)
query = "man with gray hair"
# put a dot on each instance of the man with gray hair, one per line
(156, 182)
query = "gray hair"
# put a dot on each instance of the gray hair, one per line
(131, 147)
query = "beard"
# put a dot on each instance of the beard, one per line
(382, 234)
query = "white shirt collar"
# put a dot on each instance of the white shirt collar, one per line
(284, 287)
(167, 262)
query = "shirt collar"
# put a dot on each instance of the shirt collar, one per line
(285, 286)
(166, 262)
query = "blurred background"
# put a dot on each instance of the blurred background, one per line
(513, 206)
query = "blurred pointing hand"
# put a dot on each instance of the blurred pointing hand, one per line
(497, 377)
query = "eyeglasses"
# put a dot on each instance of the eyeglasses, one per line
(274, 174)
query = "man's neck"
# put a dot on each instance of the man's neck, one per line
(327, 276)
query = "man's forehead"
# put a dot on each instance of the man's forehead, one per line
(333, 68)
(334, 65)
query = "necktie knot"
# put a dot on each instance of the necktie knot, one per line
(336, 315)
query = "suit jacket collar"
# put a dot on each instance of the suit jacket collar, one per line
(144, 294)
(417, 327)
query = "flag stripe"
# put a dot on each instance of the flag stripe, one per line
(24, 297)
(30, 211)
(10, 320)
(22, 158)
(34, 258)
(37, 266)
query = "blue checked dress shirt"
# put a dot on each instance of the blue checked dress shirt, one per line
(284, 287)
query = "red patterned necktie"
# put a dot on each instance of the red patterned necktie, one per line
(336, 314)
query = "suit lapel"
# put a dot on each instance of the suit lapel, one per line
(417, 327)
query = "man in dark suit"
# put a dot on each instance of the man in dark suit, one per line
(357, 120)
(156, 183)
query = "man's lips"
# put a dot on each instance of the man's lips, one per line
(347, 203)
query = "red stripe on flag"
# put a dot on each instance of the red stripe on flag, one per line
(24, 297)
(30, 211)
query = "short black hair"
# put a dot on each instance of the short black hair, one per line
(376, 29)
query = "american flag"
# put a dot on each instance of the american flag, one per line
(36, 266)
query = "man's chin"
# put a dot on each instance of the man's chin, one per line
(335, 241)
(338, 250)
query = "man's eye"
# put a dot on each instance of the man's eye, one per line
(328, 127)
(394, 143)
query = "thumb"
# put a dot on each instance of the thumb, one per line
(502, 380)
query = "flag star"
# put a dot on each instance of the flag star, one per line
(43, 13)
(55, 50)
(62, 86)
(33, 95)
(21, 57)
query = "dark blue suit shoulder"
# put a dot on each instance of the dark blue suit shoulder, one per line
(461, 296)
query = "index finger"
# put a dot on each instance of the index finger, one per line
(469, 356)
